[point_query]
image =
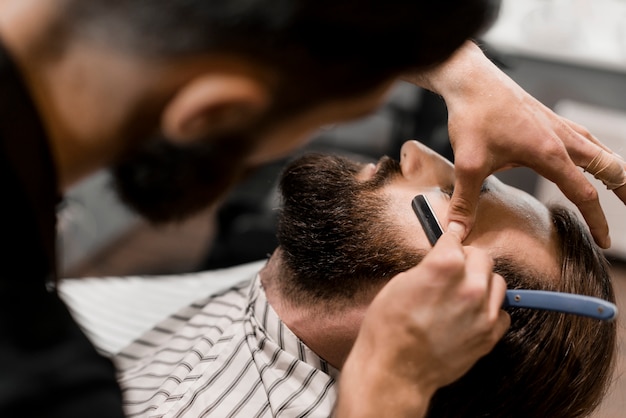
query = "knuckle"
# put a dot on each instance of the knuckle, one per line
(576, 129)
(493, 317)
(451, 261)
(586, 194)
(584, 131)
(472, 166)
(479, 256)
(553, 154)
(475, 290)
(461, 207)
(490, 332)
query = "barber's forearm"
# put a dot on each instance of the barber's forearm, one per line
(367, 389)
(460, 74)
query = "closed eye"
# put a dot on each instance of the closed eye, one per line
(449, 189)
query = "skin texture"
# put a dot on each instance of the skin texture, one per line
(452, 289)
(99, 104)
(509, 221)
(526, 134)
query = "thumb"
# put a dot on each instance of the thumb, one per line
(462, 209)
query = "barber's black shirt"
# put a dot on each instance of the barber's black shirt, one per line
(47, 366)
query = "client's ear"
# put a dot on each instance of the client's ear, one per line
(211, 104)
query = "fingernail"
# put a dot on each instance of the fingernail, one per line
(457, 229)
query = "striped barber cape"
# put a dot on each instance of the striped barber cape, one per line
(228, 355)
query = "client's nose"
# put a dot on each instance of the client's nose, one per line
(418, 159)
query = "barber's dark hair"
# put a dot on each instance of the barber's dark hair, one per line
(344, 44)
(548, 364)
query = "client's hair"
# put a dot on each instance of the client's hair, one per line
(336, 241)
(548, 364)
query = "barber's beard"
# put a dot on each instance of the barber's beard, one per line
(164, 182)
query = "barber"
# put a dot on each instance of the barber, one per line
(83, 81)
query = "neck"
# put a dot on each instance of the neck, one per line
(328, 329)
(330, 333)
(71, 82)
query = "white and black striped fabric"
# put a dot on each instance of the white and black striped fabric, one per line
(228, 355)
(115, 311)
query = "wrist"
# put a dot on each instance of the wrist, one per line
(455, 74)
(371, 387)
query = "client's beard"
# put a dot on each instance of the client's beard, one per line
(164, 182)
(335, 232)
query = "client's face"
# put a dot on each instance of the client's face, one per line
(342, 220)
(509, 222)
(347, 228)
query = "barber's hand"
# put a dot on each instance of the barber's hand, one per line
(424, 330)
(494, 125)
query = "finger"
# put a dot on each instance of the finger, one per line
(583, 150)
(497, 295)
(587, 152)
(581, 144)
(487, 291)
(477, 285)
(620, 192)
(608, 168)
(501, 326)
(445, 263)
(447, 254)
(478, 261)
(462, 209)
(581, 130)
(575, 186)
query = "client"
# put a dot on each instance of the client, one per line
(275, 345)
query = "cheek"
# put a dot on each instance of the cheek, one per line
(438, 201)
(523, 211)
(520, 228)
(405, 218)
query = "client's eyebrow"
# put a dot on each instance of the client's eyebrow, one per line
(484, 188)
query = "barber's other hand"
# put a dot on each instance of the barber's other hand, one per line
(494, 125)
(424, 330)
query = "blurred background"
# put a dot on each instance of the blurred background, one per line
(569, 54)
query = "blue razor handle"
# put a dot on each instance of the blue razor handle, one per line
(561, 302)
